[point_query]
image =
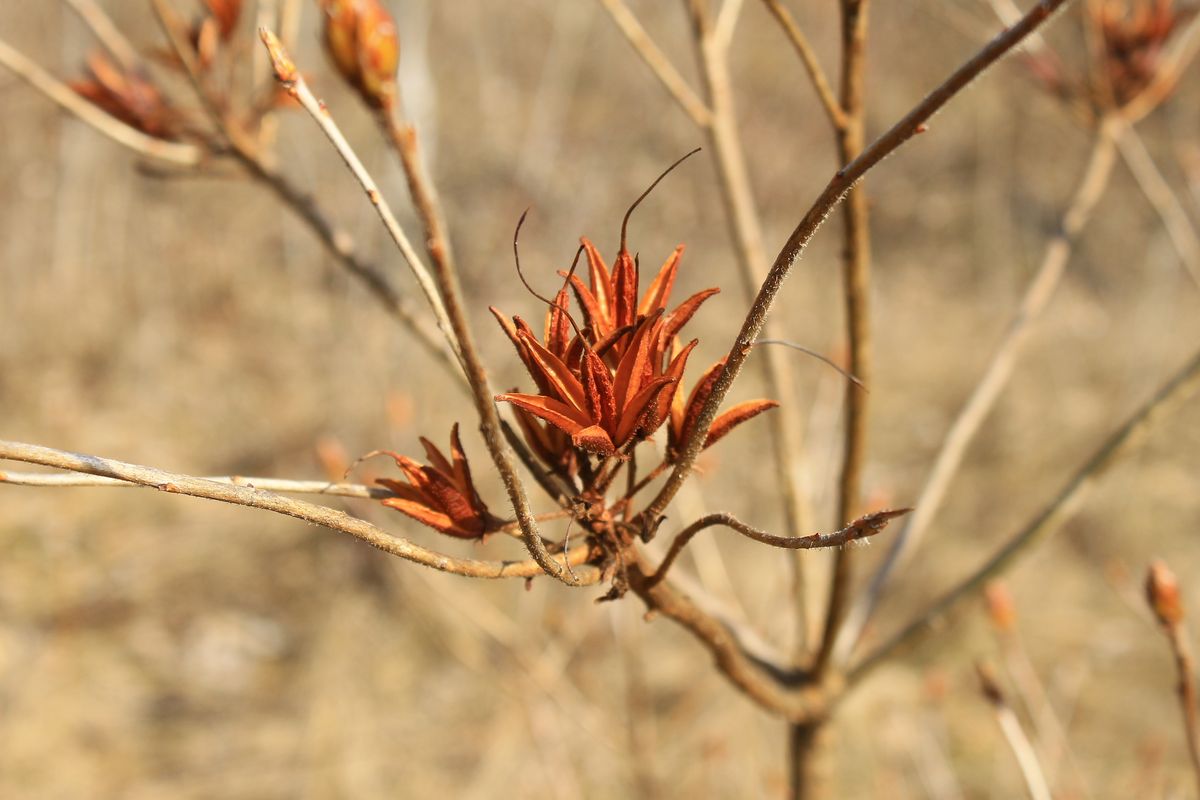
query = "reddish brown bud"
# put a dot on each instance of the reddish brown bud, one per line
(1162, 593)
(361, 38)
(1000, 608)
(378, 53)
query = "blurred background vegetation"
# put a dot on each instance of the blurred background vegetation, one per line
(154, 646)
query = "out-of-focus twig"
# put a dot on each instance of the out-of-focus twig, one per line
(291, 79)
(181, 154)
(1162, 593)
(1014, 734)
(662, 67)
(251, 497)
(995, 377)
(107, 32)
(808, 57)
(1164, 200)
(1166, 399)
(856, 295)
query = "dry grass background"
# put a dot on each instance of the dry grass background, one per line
(154, 646)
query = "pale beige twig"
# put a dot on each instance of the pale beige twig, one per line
(995, 377)
(1164, 200)
(659, 64)
(1163, 597)
(1166, 399)
(107, 32)
(321, 515)
(69, 479)
(812, 65)
(1014, 734)
(294, 82)
(726, 22)
(180, 154)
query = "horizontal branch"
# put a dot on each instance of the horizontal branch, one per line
(74, 479)
(267, 501)
(861, 528)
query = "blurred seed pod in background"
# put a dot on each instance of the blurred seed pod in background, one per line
(361, 38)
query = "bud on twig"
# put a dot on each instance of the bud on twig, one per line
(1000, 607)
(1162, 593)
(361, 38)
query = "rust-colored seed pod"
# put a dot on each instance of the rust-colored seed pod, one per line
(378, 47)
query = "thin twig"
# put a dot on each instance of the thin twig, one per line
(258, 498)
(903, 130)
(293, 81)
(726, 22)
(178, 153)
(1014, 734)
(861, 528)
(856, 294)
(1166, 399)
(65, 479)
(662, 67)
(986, 392)
(1162, 594)
(107, 32)
(812, 65)
(1164, 200)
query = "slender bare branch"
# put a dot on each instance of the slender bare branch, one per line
(1162, 594)
(727, 20)
(658, 62)
(903, 130)
(180, 154)
(1014, 734)
(268, 501)
(856, 294)
(995, 377)
(861, 528)
(1169, 396)
(294, 82)
(69, 479)
(812, 65)
(1163, 199)
(107, 32)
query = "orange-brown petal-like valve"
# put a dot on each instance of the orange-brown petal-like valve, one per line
(441, 494)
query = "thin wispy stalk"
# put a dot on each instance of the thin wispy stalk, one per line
(180, 154)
